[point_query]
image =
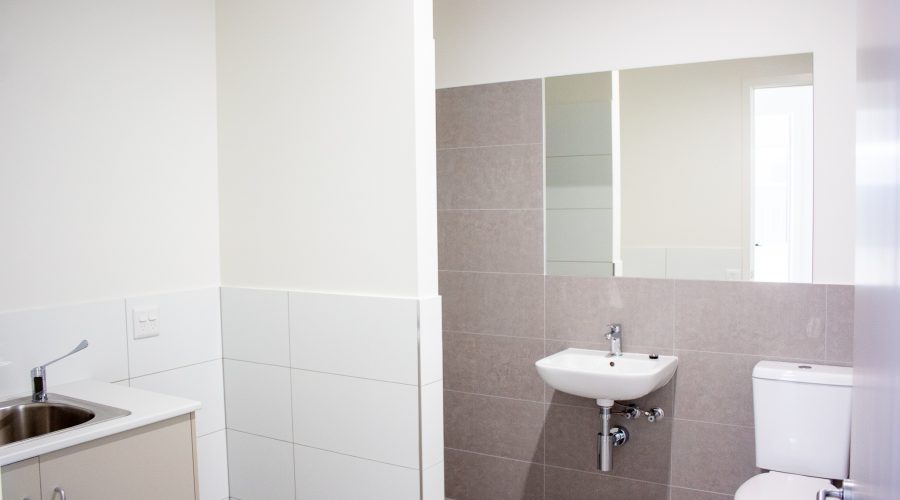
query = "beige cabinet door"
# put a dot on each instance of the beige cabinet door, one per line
(22, 480)
(150, 463)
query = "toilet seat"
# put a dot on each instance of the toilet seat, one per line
(781, 486)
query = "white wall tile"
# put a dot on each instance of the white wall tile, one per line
(29, 338)
(364, 418)
(325, 475)
(202, 382)
(255, 325)
(258, 398)
(433, 482)
(431, 361)
(432, 424)
(370, 337)
(259, 468)
(212, 465)
(190, 331)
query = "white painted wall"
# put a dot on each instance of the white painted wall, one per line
(326, 146)
(107, 149)
(502, 40)
(875, 447)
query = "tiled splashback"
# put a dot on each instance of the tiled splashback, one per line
(332, 395)
(184, 360)
(507, 435)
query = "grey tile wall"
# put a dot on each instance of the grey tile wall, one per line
(507, 435)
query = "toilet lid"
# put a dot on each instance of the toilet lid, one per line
(781, 486)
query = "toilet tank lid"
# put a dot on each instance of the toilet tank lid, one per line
(804, 372)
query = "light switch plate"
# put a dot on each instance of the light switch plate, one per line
(145, 322)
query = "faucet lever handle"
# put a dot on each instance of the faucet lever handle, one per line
(81, 345)
(614, 330)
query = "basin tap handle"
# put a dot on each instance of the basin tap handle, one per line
(39, 374)
(615, 331)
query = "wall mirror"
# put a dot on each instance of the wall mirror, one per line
(690, 171)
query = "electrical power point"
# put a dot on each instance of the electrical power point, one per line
(145, 322)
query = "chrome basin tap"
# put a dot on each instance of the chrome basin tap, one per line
(614, 335)
(39, 375)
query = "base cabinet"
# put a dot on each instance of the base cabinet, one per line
(153, 462)
(22, 480)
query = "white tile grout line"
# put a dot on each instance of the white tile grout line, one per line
(189, 365)
(522, 209)
(419, 396)
(291, 388)
(322, 449)
(598, 343)
(674, 389)
(586, 407)
(545, 466)
(825, 326)
(127, 344)
(544, 426)
(322, 372)
(488, 272)
(724, 495)
(492, 146)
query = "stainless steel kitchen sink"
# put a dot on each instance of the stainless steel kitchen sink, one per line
(22, 418)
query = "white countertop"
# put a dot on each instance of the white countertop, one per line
(146, 408)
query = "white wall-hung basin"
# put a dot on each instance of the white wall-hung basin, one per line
(596, 374)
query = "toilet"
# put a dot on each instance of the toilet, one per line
(802, 418)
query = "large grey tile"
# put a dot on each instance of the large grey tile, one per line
(839, 323)
(663, 397)
(566, 484)
(491, 114)
(686, 494)
(470, 476)
(769, 319)
(715, 387)
(712, 457)
(509, 241)
(499, 366)
(494, 426)
(579, 308)
(571, 435)
(505, 304)
(491, 177)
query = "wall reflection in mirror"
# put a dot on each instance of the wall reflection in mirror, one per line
(692, 171)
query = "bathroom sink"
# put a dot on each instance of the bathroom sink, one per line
(22, 419)
(597, 375)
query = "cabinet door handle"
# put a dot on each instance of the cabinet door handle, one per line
(62, 493)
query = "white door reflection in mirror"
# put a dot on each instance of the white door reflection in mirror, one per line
(782, 180)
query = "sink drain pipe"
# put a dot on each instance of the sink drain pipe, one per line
(607, 439)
